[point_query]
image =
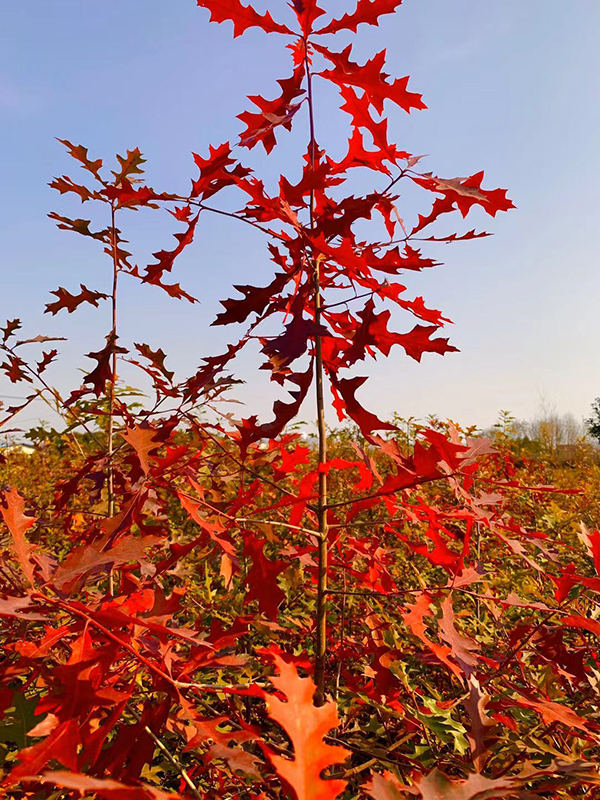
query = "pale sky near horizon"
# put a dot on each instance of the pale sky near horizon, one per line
(512, 88)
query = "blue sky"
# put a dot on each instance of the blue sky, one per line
(512, 88)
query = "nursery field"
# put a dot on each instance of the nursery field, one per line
(461, 622)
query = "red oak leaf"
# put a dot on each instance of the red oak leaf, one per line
(19, 607)
(87, 560)
(18, 524)
(15, 369)
(103, 787)
(262, 577)
(307, 11)
(462, 647)
(359, 156)
(60, 745)
(217, 171)
(11, 327)
(371, 78)
(72, 301)
(250, 431)
(103, 371)
(80, 153)
(435, 785)
(260, 126)
(47, 358)
(237, 759)
(156, 358)
(255, 300)
(166, 258)
(386, 786)
(414, 617)
(554, 712)
(366, 11)
(345, 402)
(306, 725)
(359, 109)
(465, 193)
(243, 17)
(143, 440)
(213, 527)
(419, 341)
(475, 705)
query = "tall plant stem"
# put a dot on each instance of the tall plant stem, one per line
(110, 507)
(322, 555)
(110, 478)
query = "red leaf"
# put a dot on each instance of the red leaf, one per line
(260, 127)
(243, 17)
(386, 787)
(103, 371)
(475, 705)
(465, 193)
(156, 358)
(435, 786)
(359, 109)
(250, 431)
(80, 153)
(346, 402)
(72, 301)
(256, 299)
(47, 358)
(12, 325)
(307, 11)
(215, 529)
(419, 341)
(15, 369)
(87, 560)
(19, 607)
(166, 258)
(103, 787)
(262, 577)
(554, 712)
(371, 78)
(60, 745)
(462, 647)
(366, 11)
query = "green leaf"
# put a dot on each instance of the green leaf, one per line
(19, 719)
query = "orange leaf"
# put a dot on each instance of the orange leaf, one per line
(142, 439)
(18, 524)
(306, 726)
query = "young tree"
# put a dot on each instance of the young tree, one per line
(211, 605)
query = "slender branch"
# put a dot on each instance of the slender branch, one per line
(416, 482)
(252, 520)
(177, 684)
(232, 215)
(239, 462)
(55, 393)
(169, 756)
(349, 300)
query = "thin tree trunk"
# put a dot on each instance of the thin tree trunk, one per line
(111, 389)
(110, 479)
(322, 555)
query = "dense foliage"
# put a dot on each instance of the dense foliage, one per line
(221, 608)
